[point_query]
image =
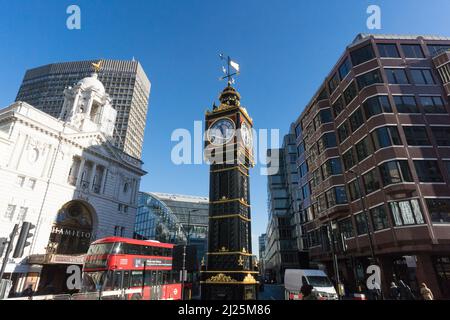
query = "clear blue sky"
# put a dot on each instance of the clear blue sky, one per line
(285, 49)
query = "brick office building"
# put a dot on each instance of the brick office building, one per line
(380, 121)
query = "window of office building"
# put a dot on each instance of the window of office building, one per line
(438, 48)
(345, 68)
(333, 83)
(350, 93)
(322, 203)
(356, 120)
(371, 181)
(396, 76)
(349, 159)
(396, 171)
(388, 50)
(314, 238)
(406, 212)
(441, 135)
(332, 167)
(306, 192)
(369, 78)
(343, 132)
(301, 149)
(439, 210)
(336, 196)
(433, 105)
(303, 169)
(353, 190)
(324, 116)
(385, 137)
(362, 55)
(428, 171)
(361, 223)
(328, 140)
(323, 95)
(298, 130)
(422, 76)
(316, 178)
(338, 106)
(412, 51)
(377, 105)
(416, 136)
(346, 228)
(364, 149)
(379, 218)
(406, 104)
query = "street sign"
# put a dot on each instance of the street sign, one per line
(374, 279)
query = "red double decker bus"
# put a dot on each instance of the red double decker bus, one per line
(120, 268)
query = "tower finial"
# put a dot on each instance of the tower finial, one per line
(97, 66)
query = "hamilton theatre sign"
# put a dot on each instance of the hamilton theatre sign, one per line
(71, 232)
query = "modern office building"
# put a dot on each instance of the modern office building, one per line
(381, 121)
(283, 245)
(124, 81)
(262, 239)
(172, 218)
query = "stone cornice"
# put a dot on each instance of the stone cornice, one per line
(14, 116)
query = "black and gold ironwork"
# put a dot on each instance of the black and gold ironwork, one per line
(229, 272)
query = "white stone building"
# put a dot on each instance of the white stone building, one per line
(65, 177)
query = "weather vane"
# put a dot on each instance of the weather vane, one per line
(232, 69)
(97, 66)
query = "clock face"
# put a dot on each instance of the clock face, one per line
(221, 132)
(246, 135)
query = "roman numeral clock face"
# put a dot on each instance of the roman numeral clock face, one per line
(221, 132)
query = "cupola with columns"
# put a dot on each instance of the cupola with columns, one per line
(87, 107)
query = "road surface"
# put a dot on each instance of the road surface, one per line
(272, 292)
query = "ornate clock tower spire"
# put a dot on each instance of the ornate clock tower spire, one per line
(229, 273)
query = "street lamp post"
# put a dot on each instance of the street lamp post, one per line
(334, 256)
(184, 251)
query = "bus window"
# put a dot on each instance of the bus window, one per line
(159, 279)
(174, 276)
(165, 275)
(157, 251)
(147, 251)
(148, 278)
(136, 279)
(131, 249)
(109, 282)
(153, 277)
(117, 280)
(126, 280)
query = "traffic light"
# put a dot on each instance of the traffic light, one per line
(3, 244)
(22, 242)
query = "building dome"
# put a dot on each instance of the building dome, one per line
(230, 96)
(92, 83)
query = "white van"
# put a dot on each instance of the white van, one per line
(294, 279)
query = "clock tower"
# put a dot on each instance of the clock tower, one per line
(229, 273)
